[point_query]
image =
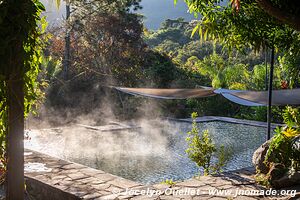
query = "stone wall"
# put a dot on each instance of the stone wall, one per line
(37, 190)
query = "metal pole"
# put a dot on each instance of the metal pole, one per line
(67, 44)
(270, 95)
(266, 63)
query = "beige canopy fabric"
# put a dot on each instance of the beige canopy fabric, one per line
(168, 93)
(247, 98)
(279, 97)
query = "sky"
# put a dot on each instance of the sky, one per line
(54, 15)
(155, 11)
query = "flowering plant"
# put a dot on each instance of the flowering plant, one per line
(283, 154)
(282, 149)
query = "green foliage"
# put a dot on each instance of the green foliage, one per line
(291, 117)
(175, 60)
(208, 64)
(173, 30)
(106, 49)
(106, 42)
(259, 113)
(261, 179)
(168, 46)
(168, 182)
(290, 64)
(160, 70)
(249, 27)
(201, 150)
(195, 49)
(259, 77)
(50, 67)
(281, 152)
(234, 74)
(223, 73)
(21, 29)
(253, 113)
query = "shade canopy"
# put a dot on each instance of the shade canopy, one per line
(279, 97)
(240, 101)
(242, 97)
(168, 93)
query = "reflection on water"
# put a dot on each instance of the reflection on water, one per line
(149, 155)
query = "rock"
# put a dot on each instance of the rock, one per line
(259, 158)
(277, 171)
(287, 180)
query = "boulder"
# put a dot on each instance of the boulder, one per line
(276, 172)
(259, 158)
(288, 180)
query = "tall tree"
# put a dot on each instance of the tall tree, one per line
(106, 37)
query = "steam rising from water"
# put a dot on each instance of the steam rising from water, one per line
(147, 155)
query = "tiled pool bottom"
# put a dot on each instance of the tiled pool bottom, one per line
(149, 155)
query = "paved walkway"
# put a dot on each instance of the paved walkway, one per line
(53, 178)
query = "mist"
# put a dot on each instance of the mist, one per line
(150, 151)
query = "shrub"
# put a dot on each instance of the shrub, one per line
(201, 150)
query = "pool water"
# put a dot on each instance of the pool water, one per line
(148, 155)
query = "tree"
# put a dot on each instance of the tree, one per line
(286, 12)
(20, 57)
(214, 67)
(250, 26)
(107, 48)
(201, 150)
(105, 39)
(222, 73)
(177, 31)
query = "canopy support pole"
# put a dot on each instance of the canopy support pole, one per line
(66, 62)
(266, 63)
(269, 115)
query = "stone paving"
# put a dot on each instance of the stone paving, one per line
(52, 178)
